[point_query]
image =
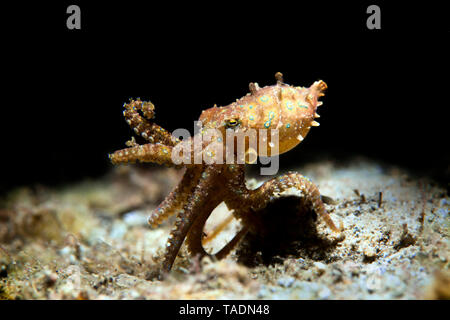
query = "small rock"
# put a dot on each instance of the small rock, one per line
(262, 292)
(324, 293)
(126, 281)
(65, 251)
(373, 284)
(285, 282)
(321, 267)
(135, 218)
(443, 212)
(118, 230)
(370, 253)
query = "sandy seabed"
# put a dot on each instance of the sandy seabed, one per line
(91, 241)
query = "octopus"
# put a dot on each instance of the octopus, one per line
(287, 110)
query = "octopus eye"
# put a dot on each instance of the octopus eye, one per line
(232, 123)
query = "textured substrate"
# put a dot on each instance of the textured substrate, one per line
(91, 241)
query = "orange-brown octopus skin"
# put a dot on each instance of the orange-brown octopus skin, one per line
(291, 110)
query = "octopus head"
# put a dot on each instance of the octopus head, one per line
(298, 111)
(280, 115)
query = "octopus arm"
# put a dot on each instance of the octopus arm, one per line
(176, 199)
(156, 153)
(261, 196)
(197, 204)
(142, 126)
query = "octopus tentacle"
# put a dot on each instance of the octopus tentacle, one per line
(156, 153)
(177, 198)
(141, 126)
(194, 237)
(186, 217)
(261, 196)
(235, 177)
(162, 154)
(235, 193)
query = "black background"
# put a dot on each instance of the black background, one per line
(64, 90)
